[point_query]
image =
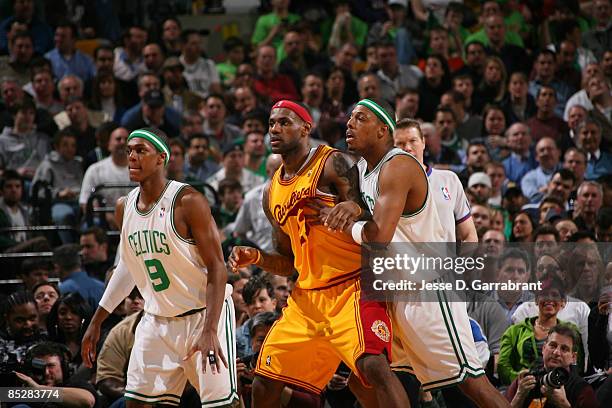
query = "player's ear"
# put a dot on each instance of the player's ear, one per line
(162, 159)
(307, 128)
(382, 131)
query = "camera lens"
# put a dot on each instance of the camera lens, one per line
(557, 378)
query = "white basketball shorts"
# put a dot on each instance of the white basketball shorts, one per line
(433, 340)
(157, 373)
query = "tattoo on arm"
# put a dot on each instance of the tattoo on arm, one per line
(348, 173)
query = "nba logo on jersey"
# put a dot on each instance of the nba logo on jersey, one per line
(162, 211)
(445, 193)
(268, 361)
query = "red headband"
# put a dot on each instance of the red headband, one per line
(299, 110)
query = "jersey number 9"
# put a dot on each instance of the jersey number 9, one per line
(157, 274)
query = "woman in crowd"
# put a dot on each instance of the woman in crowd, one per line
(521, 344)
(518, 105)
(333, 108)
(45, 294)
(574, 310)
(493, 85)
(106, 96)
(67, 322)
(493, 131)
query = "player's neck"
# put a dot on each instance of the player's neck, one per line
(151, 189)
(294, 160)
(375, 155)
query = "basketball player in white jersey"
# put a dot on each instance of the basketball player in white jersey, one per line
(395, 189)
(446, 189)
(170, 250)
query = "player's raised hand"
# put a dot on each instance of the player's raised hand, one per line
(242, 256)
(88, 344)
(212, 354)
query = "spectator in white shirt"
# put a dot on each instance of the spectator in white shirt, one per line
(233, 168)
(201, 73)
(129, 62)
(113, 169)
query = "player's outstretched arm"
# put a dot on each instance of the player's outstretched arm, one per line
(198, 219)
(118, 288)
(280, 262)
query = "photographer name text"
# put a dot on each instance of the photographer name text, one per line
(458, 285)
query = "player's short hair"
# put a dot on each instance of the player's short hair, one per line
(409, 124)
(255, 285)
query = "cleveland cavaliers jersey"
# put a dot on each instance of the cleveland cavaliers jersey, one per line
(166, 267)
(323, 258)
(421, 226)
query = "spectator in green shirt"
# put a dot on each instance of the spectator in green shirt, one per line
(343, 28)
(270, 28)
(230, 195)
(234, 48)
(489, 9)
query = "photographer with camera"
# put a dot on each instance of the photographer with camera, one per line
(19, 332)
(556, 385)
(47, 368)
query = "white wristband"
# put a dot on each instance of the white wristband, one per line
(357, 230)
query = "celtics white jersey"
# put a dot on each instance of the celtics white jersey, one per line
(450, 200)
(166, 268)
(421, 226)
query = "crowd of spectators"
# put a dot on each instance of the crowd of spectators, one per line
(514, 97)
